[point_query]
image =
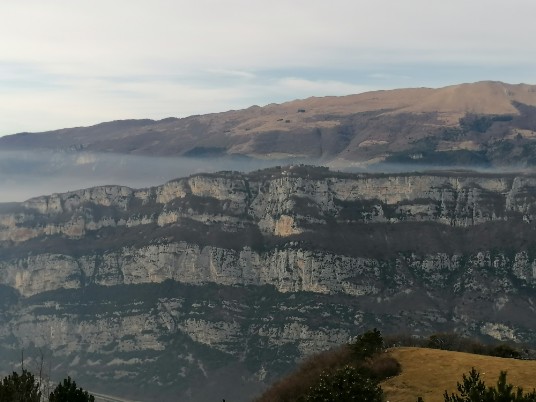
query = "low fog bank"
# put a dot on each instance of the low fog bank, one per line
(27, 174)
(420, 168)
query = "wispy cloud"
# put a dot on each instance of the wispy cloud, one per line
(304, 87)
(231, 73)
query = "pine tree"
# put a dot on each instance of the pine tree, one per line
(20, 388)
(67, 391)
(473, 389)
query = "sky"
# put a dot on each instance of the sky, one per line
(66, 63)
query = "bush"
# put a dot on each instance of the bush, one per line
(449, 341)
(338, 375)
(367, 344)
(295, 385)
(345, 384)
(382, 367)
(505, 351)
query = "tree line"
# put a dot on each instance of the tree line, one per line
(25, 387)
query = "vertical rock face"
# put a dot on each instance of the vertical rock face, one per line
(235, 277)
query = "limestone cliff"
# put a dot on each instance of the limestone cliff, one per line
(236, 276)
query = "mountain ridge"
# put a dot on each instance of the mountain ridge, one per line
(363, 128)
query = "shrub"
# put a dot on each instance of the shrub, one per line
(295, 385)
(382, 367)
(345, 384)
(446, 341)
(367, 344)
(505, 351)
(338, 375)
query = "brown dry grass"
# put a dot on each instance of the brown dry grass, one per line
(452, 102)
(429, 372)
(391, 121)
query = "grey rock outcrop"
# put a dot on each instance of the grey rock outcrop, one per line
(246, 274)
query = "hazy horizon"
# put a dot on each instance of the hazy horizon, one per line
(29, 174)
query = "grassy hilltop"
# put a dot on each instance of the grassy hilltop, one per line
(429, 372)
(364, 370)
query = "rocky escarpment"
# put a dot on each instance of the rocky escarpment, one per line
(233, 276)
(278, 202)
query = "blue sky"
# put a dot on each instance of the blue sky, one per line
(72, 63)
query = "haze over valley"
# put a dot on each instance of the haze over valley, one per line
(246, 201)
(485, 125)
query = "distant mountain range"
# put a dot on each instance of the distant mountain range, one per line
(481, 124)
